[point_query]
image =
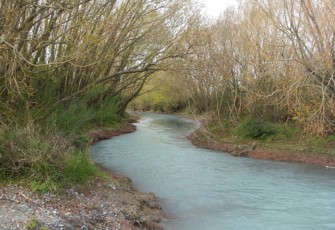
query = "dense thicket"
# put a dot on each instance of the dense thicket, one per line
(271, 60)
(61, 50)
(66, 66)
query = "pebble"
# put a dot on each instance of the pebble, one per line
(84, 227)
(112, 186)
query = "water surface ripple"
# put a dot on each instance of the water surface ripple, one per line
(203, 189)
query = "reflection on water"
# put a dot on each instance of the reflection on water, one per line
(203, 189)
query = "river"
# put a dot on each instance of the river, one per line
(208, 190)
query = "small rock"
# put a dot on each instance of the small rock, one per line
(112, 186)
(84, 227)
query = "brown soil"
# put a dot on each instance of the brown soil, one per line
(108, 133)
(252, 151)
(111, 203)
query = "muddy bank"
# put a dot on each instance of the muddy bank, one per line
(111, 203)
(205, 141)
(108, 133)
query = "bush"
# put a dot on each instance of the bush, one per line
(79, 116)
(47, 161)
(256, 129)
(46, 145)
(28, 152)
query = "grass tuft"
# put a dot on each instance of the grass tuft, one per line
(79, 168)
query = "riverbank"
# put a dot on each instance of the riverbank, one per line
(103, 203)
(203, 139)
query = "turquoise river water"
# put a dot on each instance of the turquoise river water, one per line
(201, 189)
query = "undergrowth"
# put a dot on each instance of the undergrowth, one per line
(257, 129)
(46, 147)
(44, 161)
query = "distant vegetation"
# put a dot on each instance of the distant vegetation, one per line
(160, 94)
(264, 61)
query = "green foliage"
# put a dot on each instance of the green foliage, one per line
(160, 94)
(320, 142)
(81, 142)
(30, 152)
(79, 168)
(46, 161)
(256, 129)
(55, 156)
(76, 115)
(158, 101)
(44, 186)
(286, 131)
(79, 116)
(331, 139)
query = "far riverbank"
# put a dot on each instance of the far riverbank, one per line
(203, 139)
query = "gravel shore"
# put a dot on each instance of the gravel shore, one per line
(97, 205)
(100, 204)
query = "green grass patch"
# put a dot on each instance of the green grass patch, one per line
(79, 168)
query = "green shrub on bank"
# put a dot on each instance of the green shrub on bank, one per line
(256, 129)
(28, 152)
(79, 116)
(46, 147)
(264, 130)
(44, 160)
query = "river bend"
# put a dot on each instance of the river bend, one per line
(202, 189)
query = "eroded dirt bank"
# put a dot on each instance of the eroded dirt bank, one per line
(101, 204)
(205, 141)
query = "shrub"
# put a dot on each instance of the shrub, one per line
(79, 116)
(29, 152)
(47, 161)
(256, 129)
